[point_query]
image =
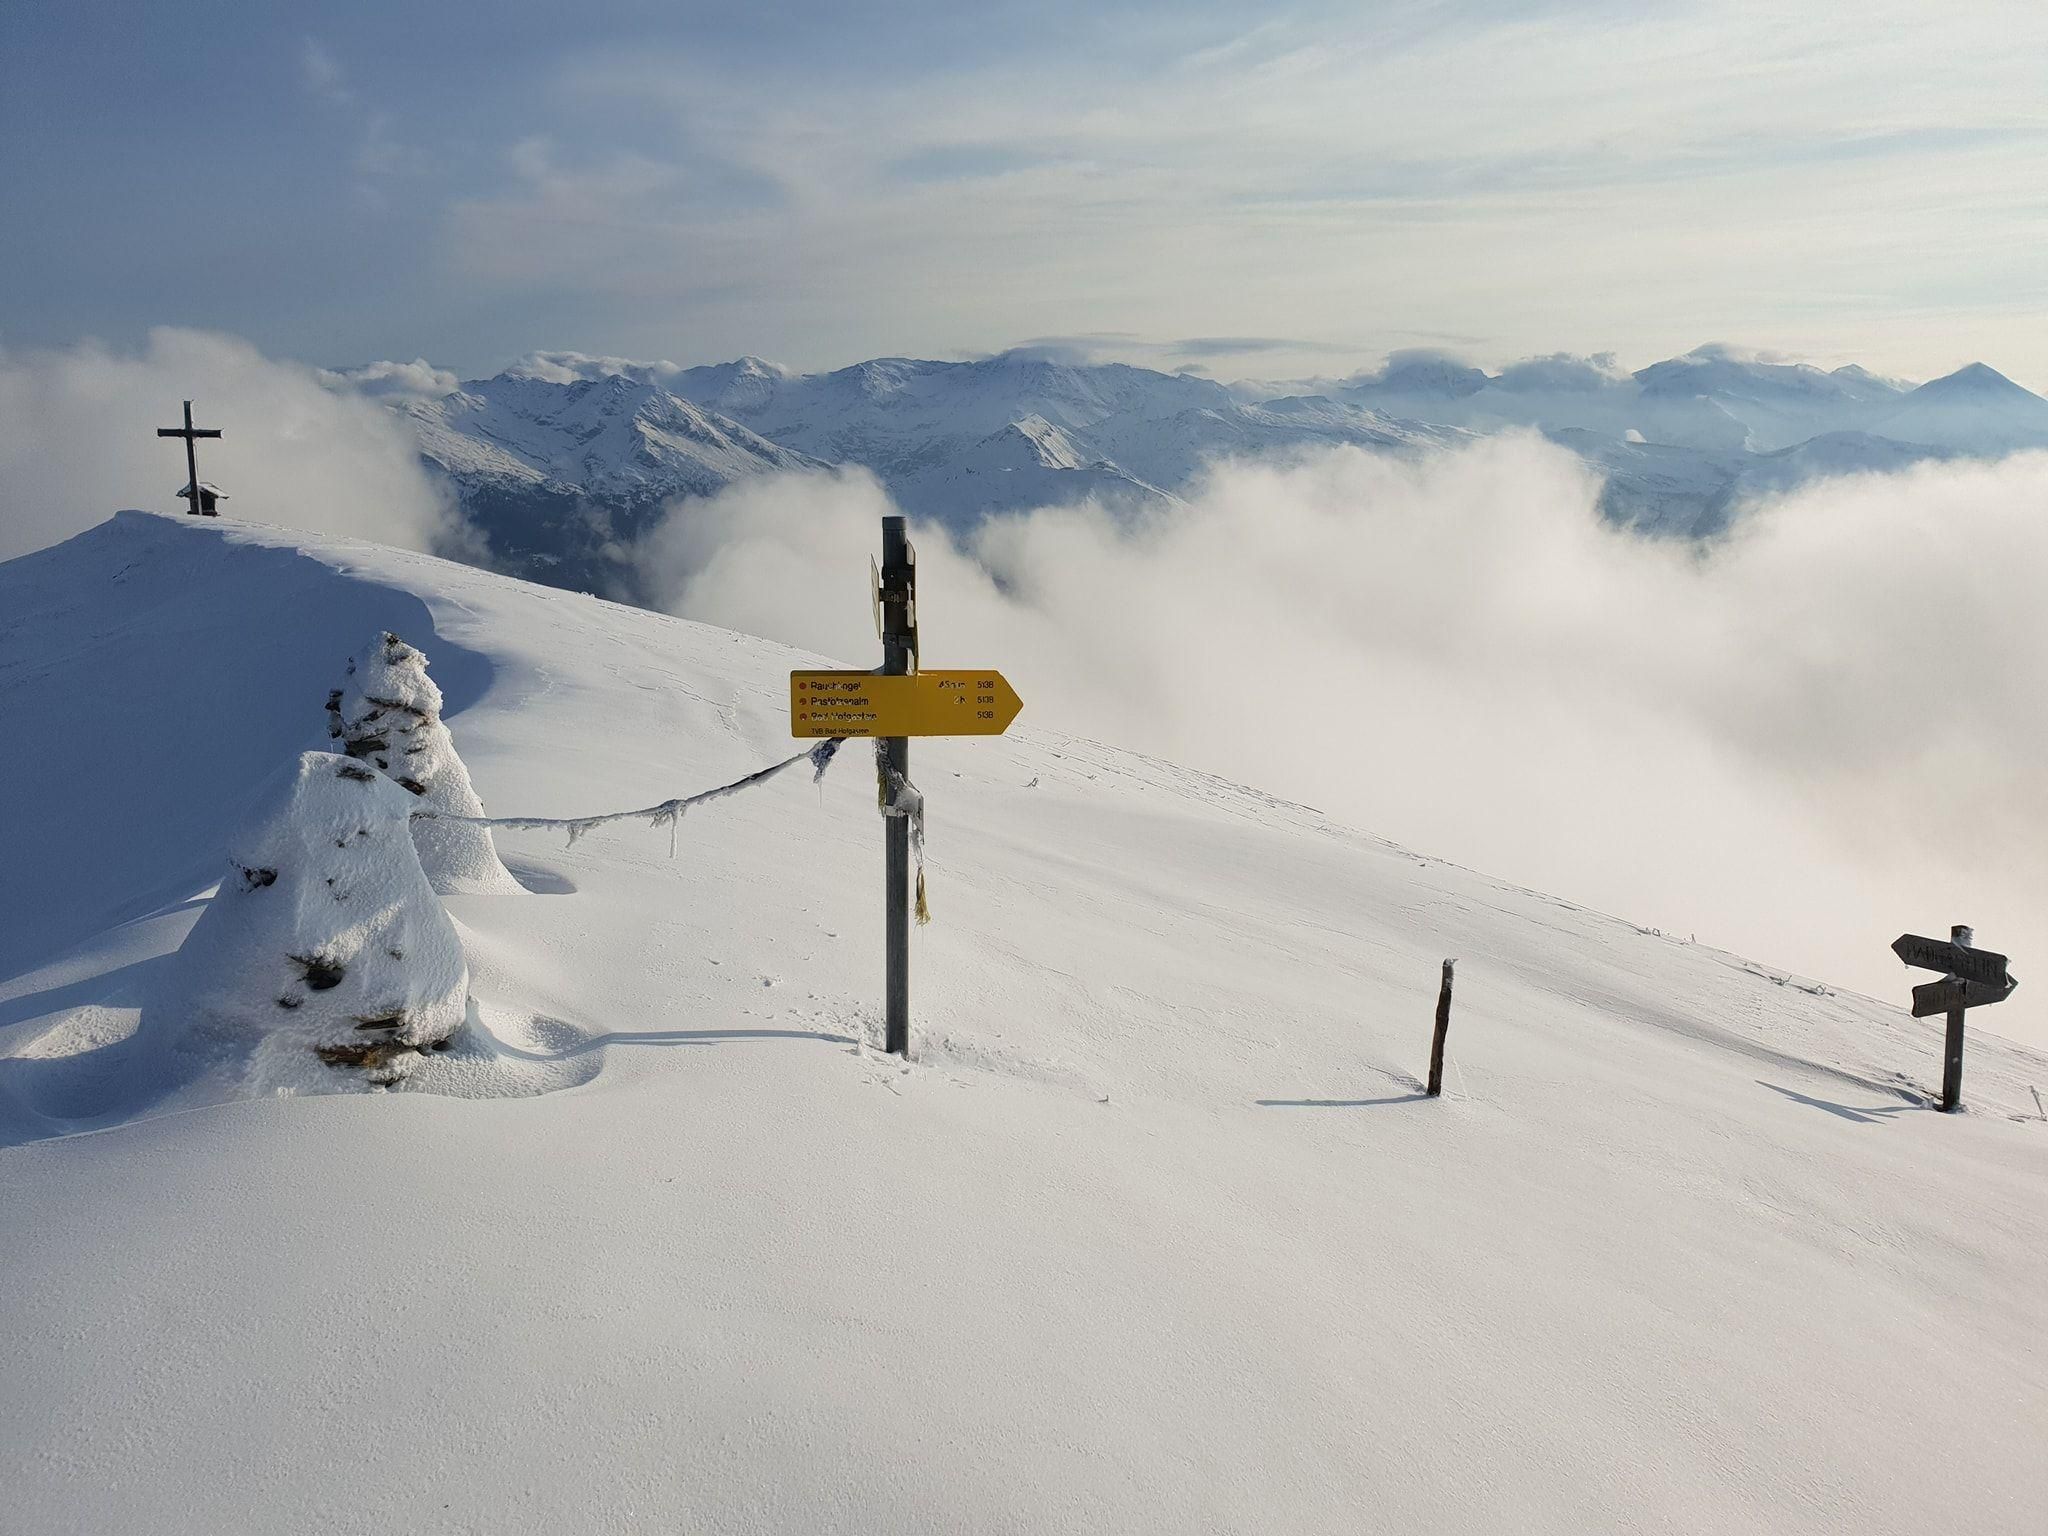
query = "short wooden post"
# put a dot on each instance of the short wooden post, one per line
(1443, 1028)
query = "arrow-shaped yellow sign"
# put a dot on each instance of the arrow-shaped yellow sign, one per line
(976, 703)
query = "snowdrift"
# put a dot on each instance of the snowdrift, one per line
(1156, 1234)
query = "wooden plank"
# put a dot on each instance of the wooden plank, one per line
(1949, 993)
(1979, 965)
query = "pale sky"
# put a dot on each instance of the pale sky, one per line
(1268, 192)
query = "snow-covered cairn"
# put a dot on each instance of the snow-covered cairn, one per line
(325, 944)
(387, 713)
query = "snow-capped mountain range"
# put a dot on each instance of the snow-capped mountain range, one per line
(563, 459)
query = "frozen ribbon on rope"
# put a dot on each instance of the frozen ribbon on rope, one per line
(666, 814)
(900, 797)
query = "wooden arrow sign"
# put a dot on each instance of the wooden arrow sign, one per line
(1932, 997)
(959, 703)
(1978, 965)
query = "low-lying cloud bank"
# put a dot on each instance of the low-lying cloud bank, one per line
(78, 442)
(1795, 743)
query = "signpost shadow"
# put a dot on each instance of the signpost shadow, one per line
(1398, 1098)
(1860, 1114)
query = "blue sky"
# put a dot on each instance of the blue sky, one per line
(1254, 191)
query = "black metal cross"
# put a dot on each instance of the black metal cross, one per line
(190, 433)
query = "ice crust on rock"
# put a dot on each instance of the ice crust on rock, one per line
(325, 947)
(387, 713)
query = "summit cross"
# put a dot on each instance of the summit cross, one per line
(191, 434)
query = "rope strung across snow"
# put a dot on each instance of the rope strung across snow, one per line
(667, 814)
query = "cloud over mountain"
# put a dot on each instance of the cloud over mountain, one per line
(77, 442)
(1792, 743)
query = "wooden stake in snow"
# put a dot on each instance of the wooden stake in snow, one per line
(194, 492)
(1963, 937)
(1443, 1028)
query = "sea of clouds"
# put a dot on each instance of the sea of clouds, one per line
(1795, 743)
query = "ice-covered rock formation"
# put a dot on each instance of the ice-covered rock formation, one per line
(387, 713)
(325, 947)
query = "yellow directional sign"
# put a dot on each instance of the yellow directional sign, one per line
(965, 703)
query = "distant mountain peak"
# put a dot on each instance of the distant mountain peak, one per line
(1977, 409)
(1975, 379)
(1049, 446)
(1862, 375)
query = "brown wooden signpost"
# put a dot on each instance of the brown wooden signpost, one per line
(1954, 957)
(891, 706)
(1974, 978)
(1952, 992)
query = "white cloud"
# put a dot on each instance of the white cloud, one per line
(1797, 745)
(1678, 170)
(418, 379)
(323, 74)
(1561, 371)
(78, 442)
(381, 154)
(571, 367)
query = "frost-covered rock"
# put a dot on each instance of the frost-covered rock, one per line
(387, 713)
(325, 946)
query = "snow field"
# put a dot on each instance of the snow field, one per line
(1154, 1234)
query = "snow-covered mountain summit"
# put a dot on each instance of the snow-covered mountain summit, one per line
(614, 436)
(562, 461)
(918, 425)
(1973, 410)
(1155, 1234)
(740, 388)
(1781, 404)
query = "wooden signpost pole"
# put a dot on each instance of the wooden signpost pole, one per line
(1963, 937)
(899, 659)
(889, 706)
